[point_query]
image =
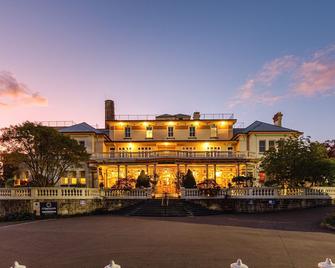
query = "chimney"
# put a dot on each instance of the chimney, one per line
(109, 110)
(196, 115)
(277, 119)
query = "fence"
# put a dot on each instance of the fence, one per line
(232, 193)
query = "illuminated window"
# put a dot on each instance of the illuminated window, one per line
(65, 180)
(262, 146)
(127, 132)
(73, 180)
(192, 131)
(149, 132)
(82, 180)
(214, 131)
(170, 132)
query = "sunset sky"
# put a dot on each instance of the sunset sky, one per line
(59, 60)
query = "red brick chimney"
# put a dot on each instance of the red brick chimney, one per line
(277, 119)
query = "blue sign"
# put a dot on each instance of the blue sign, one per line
(48, 208)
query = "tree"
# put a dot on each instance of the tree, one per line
(330, 146)
(9, 169)
(189, 180)
(143, 180)
(45, 153)
(297, 162)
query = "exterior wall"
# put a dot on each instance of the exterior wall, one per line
(254, 139)
(181, 130)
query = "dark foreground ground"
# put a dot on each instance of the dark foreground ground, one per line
(281, 240)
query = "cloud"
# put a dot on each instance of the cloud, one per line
(314, 75)
(256, 89)
(14, 93)
(317, 76)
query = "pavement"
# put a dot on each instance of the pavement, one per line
(278, 240)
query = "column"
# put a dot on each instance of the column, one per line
(206, 171)
(126, 170)
(215, 172)
(147, 169)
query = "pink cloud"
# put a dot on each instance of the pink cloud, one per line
(312, 76)
(14, 93)
(317, 76)
(252, 91)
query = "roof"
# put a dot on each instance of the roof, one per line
(259, 126)
(81, 128)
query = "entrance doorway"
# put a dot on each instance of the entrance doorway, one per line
(166, 183)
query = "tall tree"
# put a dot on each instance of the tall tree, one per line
(297, 162)
(330, 146)
(189, 180)
(46, 153)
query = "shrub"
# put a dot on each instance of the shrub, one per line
(189, 180)
(143, 180)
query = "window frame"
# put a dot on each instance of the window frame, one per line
(192, 132)
(149, 131)
(213, 129)
(169, 132)
(259, 146)
(127, 134)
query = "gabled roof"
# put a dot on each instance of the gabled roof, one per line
(259, 126)
(81, 128)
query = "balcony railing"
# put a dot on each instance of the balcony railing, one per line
(172, 154)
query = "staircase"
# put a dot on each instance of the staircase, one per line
(173, 208)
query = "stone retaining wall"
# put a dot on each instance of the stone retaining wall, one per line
(261, 205)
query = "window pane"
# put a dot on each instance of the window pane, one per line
(170, 131)
(127, 132)
(214, 132)
(271, 144)
(149, 133)
(262, 147)
(192, 131)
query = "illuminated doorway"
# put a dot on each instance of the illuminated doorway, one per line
(166, 183)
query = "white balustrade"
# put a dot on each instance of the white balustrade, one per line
(128, 194)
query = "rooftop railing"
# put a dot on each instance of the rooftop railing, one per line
(171, 154)
(57, 123)
(213, 116)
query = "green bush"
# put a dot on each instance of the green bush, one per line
(189, 180)
(143, 180)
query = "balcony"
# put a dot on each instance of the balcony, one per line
(171, 155)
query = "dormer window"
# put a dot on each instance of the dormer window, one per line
(149, 132)
(214, 131)
(127, 133)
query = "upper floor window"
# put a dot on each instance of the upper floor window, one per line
(149, 131)
(262, 146)
(170, 132)
(192, 131)
(272, 144)
(214, 131)
(127, 132)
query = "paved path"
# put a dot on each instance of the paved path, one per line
(283, 240)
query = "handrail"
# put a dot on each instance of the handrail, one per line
(173, 154)
(150, 117)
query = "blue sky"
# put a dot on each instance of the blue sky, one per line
(59, 60)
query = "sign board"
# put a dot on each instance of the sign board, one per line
(48, 208)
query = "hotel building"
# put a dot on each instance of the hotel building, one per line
(167, 146)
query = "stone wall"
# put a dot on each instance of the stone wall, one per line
(261, 205)
(65, 206)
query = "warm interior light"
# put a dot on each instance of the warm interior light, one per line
(171, 123)
(206, 145)
(223, 123)
(145, 124)
(196, 123)
(121, 123)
